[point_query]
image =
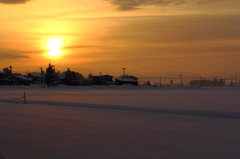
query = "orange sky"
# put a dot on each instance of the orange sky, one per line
(148, 36)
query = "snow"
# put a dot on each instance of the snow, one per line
(63, 75)
(126, 79)
(35, 74)
(22, 77)
(120, 122)
(2, 156)
(102, 76)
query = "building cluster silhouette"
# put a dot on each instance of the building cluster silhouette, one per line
(52, 77)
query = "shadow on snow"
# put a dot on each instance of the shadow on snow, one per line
(201, 113)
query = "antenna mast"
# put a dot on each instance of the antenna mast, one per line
(124, 72)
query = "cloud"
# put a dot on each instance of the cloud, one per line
(14, 1)
(124, 5)
(7, 55)
(80, 46)
(135, 4)
(209, 1)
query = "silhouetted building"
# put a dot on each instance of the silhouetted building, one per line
(127, 80)
(18, 79)
(102, 79)
(6, 72)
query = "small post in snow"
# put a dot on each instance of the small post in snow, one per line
(100, 80)
(25, 98)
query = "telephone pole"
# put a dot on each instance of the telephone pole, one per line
(180, 78)
(231, 81)
(160, 80)
(100, 80)
(236, 78)
(200, 81)
(41, 77)
(124, 71)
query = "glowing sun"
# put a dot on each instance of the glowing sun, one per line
(54, 45)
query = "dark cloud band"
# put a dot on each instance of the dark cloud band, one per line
(135, 4)
(7, 55)
(124, 5)
(14, 1)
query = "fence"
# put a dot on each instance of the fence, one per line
(24, 97)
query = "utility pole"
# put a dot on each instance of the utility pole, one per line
(124, 72)
(100, 80)
(160, 80)
(231, 81)
(180, 78)
(236, 78)
(200, 81)
(11, 69)
(41, 77)
(25, 97)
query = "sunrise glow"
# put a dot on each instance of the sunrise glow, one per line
(54, 45)
(154, 36)
(119, 79)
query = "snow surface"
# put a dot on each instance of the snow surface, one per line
(126, 79)
(22, 77)
(36, 74)
(120, 122)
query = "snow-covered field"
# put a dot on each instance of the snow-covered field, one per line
(120, 123)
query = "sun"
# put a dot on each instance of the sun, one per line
(54, 45)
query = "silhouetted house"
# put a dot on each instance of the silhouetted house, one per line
(127, 80)
(18, 79)
(102, 79)
(36, 77)
(6, 72)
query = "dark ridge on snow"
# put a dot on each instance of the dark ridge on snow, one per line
(201, 113)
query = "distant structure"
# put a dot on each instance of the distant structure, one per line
(103, 80)
(8, 78)
(126, 79)
(124, 71)
(208, 83)
(18, 79)
(6, 71)
(52, 78)
(4, 74)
